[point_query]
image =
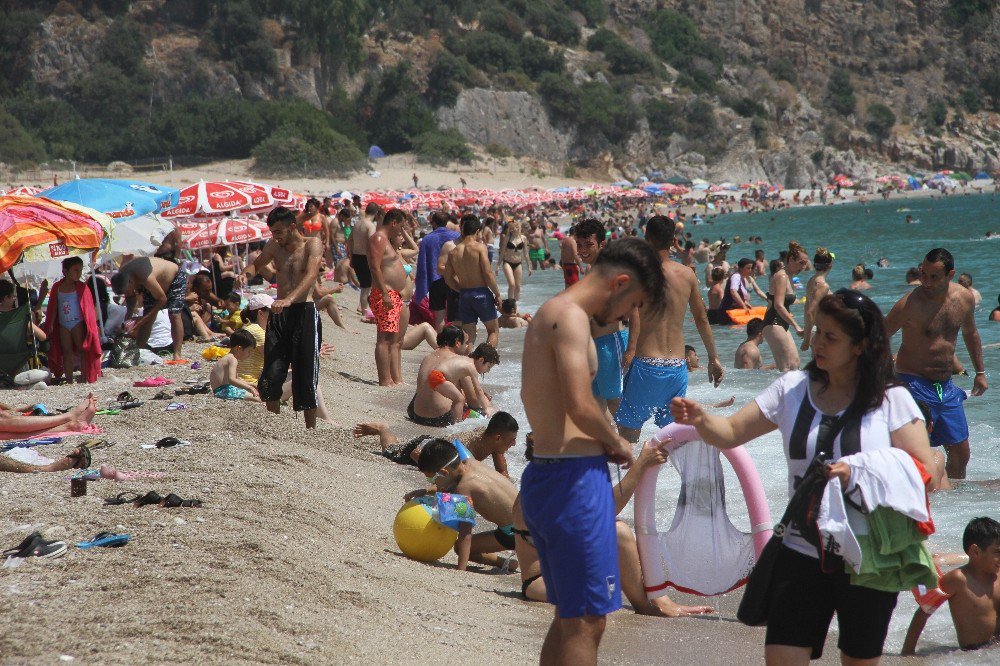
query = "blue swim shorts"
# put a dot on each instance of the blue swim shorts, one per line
(944, 400)
(476, 304)
(607, 382)
(570, 512)
(650, 385)
(230, 392)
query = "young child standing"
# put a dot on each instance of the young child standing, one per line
(972, 592)
(71, 325)
(226, 384)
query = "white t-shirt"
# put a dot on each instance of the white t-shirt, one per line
(160, 335)
(788, 404)
(736, 284)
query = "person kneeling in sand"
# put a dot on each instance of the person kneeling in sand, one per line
(447, 382)
(510, 317)
(748, 353)
(491, 493)
(224, 377)
(629, 569)
(492, 441)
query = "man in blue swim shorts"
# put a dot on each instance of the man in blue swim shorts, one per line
(930, 317)
(467, 270)
(566, 496)
(658, 373)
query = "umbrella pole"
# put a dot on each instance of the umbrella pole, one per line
(97, 294)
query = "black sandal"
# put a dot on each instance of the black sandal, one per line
(167, 442)
(125, 396)
(82, 457)
(152, 497)
(172, 501)
(122, 498)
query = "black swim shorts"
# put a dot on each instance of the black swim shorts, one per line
(359, 262)
(293, 338)
(442, 421)
(437, 295)
(175, 294)
(803, 600)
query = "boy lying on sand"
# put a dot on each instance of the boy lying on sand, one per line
(972, 592)
(491, 494)
(492, 441)
(226, 383)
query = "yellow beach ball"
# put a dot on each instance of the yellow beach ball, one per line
(419, 536)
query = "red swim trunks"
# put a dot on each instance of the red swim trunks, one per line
(571, 274)
(386, 320)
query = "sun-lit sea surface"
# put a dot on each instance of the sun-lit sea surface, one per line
(958, 223)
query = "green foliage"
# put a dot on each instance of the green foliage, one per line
(700, 118)
(331, 28)
(879, 121)
(343, 116)
(17, 34)
(285, 152)
(237, 33)
(490, 52)
(391, 112)
(537, 58)
(936, 112)
(441, 147)
(748, 107)
(783, 70)
(216, 126)
(761, 132)
(604, 110)
(17, 146)
(676, 39)
(495, 18)
(561, 97)
(125, 46)
(971, 100)
(664, 119)
(622, 58)
(595, 11)
(990, 83)
(551, 22)
(496, 150)
(841, 92)
(964, 12)
(447, 77)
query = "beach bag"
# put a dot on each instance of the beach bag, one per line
(124, 352)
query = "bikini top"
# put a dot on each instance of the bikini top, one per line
(512, 246)
(312, 225)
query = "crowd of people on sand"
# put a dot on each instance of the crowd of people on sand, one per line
(600, 360)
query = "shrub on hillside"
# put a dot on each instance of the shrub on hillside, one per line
(840, 92)
(285, 152)
(17, 146)
(936, 112)
(595, 11)
(213, 126)
(879, 120)
(602, 109)
(449, 75)
(622, 58)
(125, 46)
(537, 58)
(491, 52)
(552, 22)
(783, 70)
(391, 112)
(18, 30)
(561, 96)
(441, 147)
(676, 39)
(971, 100)
(495, 18)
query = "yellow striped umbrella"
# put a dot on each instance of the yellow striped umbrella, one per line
(40, 229)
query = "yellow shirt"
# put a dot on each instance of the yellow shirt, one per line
(249, 369)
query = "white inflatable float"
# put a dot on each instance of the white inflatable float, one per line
(702, 553)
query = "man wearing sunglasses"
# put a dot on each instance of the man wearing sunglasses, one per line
(930, 317)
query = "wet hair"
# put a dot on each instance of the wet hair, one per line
(118, 281)
(343, 214)
(234, 297)
(754, 327)
(487, 352)
(242, 339)
(869, 273)
(438, 219)
(435, 455)
(688, 349)
(70, 262)
(795, 250)
(759, 254)
(313, 201)
(450, 335)
(964, 279)
(201, 278)
(862, 321)
(939, 254)
(858, 273)
(393, 215)
(470, 224)
(743, 263)
(500, 423)
(776, 265)
(6, 289)
(660, 232)
(280, 215)
(822, 260)
(983, 532)
(718, 274)
(638, 258)
(912, 273)
(372, 209)
(588, 227)
(508, 306)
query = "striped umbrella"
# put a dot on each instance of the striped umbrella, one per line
(22, 191)
(40, 229)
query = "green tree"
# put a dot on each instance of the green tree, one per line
(125, 46)
(936, 112)
(595, 11)
(990, 83)
(676, 39)
(561, 97)
(441, 147)
(971, 100)
(841, 92)
(17, 146)
(879, 121)
(18, 30)
(783, 70)
(447, 77)
(537, 58)
(391, 111)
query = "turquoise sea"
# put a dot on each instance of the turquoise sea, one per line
(856, 233)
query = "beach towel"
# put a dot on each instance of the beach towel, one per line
(92, 351)
(89, 429)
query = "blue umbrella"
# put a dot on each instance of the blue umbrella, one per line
(120, 199)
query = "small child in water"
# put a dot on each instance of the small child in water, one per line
(510, 317)
(972, 592)
(226, 384)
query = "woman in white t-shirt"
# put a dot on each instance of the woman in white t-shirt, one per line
(851, 375)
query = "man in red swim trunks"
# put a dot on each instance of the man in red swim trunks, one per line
(385, 301)
(569, 259)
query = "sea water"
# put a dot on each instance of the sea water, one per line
(855, 233)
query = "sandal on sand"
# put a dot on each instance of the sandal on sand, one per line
(125, 396)
(172, 501)
(153, 382)
(106, 540)
(108, 412)
(175, 407)
(195, 389)
(36, 546)
(152, 497)
(93, 443)
(81, 456)
(163, 395)
(122, 498)
(179, 361)
(167, 442)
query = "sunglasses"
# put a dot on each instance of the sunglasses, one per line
(856, 301)
(434, 478)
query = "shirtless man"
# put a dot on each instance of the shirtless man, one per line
(615, 344)
(536, 245)
(358, 242)
(569, 259)
(930, 317)
(467, 270)
(385, 300)
(294, 330)
(447, 380)
(748, 353)
(965, 279)
(163, 285)
(659, 371)
(566, 489)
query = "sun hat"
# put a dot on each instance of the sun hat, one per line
(258, 301)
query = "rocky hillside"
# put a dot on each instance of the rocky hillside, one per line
(791, 91)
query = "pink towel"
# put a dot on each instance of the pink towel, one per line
(89, 429)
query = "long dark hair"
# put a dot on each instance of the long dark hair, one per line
(862, 321)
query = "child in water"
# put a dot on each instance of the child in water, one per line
(71, 325)
(972, 592)
(226, 384)
(510, 317)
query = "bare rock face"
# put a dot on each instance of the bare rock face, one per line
(65, 51)
(515, 120)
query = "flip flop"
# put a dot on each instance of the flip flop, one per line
(196, 365)
(172, 501)
(179, 361)
(175, 407)
(125, 396)
(94, 444)
(107, 412)
(166, 443)
(122, 498)
(36, 546)
(163, 395)
(105, 539)
(82, 457)
(129, 405)
(152, 497)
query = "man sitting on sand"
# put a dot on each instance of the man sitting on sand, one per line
(447, 382)
(491, 494)
(748, 353)
(972, 592)
(226, 383)
(492, 441)
(17, 426)
(629, 569)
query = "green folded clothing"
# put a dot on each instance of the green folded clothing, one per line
(894, 553)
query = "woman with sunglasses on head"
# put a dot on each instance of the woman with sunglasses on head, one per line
(847, 390)
(777, 318)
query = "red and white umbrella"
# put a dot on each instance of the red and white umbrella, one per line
(22, 191)
(241, 230)
(220, 197)
(198, 235)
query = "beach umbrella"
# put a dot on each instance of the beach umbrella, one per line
(39, 229)
(199, 235)
(982, 175)
(139, 235)
(119, 199)
(231, 231)
(22, 191)
(678, 180)
(220, 197)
